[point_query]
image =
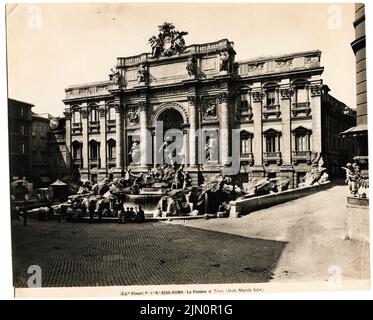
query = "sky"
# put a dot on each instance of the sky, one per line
(53, 46)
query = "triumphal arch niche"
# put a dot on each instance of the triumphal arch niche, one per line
(194, 105)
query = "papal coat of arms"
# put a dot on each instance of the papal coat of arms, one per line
(168, 42)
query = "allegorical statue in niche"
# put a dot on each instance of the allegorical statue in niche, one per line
(192, 66)
(224, 61)
(167, 152)
(142, 73)
(115, 75)
(211, 148)
(135, 152)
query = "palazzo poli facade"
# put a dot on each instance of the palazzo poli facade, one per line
(280, 106)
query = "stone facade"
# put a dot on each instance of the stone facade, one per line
(279, 106)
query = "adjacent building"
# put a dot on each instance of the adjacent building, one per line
(40, 129)
(20, 127)
(283, 112)
(57, 151)
(358, 132)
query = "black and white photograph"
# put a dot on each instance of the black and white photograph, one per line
(165, 149)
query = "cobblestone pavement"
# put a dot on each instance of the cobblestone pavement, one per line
(313, 228)
(82, 254)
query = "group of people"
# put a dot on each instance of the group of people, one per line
(128, 214)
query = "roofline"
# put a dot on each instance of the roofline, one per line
(279, 56)
(90, 84)
(28, 103)
(231, 43)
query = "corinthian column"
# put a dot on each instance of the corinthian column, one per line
(85, 149)
(119, 136)
(69, 159)
(145, 141)
(285, 103)
(224, 127)
(102, 112)
(193, 125)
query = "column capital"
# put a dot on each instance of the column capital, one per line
(257, 96)
(224, 97)
(192, 99)
(316, 89)
(102, 110)
(84, 112)
(67, 113)
(286, 93)
(142, 105)
(118, 108)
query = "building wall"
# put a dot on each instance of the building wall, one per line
(336, 118)
(359, 47)
(40, 131)
(19, 124)
(282, 114)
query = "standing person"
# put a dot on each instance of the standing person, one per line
(127, 214)
(91, 209)
(132, 214)
(140, 215)
(99, 213)
(25, 214)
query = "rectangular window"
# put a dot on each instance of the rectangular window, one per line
(111, 150)
(271, 97)
(111, 113)
(244, 103)
(23, 148)
(76, 116)
(94, 178)
(93, 115)
(245, 145)
(272, 175)
(271, 144)
(302, 142)
(22, 129)
(94, 151)
(302, 95)
(77, 152)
